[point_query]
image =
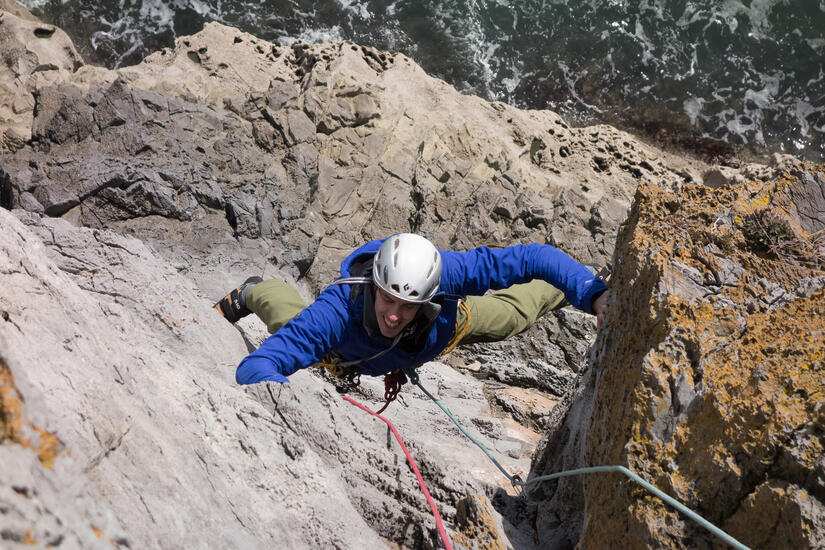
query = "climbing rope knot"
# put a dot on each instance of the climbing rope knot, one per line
(411, 374)
(392, 386)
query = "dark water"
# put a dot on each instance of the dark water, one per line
(718, 76)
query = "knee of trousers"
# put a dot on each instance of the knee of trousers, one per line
(275, 302)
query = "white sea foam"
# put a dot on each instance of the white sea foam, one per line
(765, 97)
(158, 12)
(511, 83)
(757, 12)
(727, 94)
(35, 4)
(357, 8)
(571, 77)
(803, 110)
(642, 39)
(820, 78)
(816, 43)
(470, 32)
(314, 36)
(693, 108)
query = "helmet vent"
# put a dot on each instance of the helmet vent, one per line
(408, 267)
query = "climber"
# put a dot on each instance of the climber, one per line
(401, 302)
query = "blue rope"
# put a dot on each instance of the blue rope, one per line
(413, 376)
(517, 482)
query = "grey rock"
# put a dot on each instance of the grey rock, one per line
(721, 176)
(54, 200)
(173, 439)
(809, 285)
(62, 116)
(560, 504)
(280, 93)
(30, 203)
(241, 212)
(729, 272)
(189, 180)
(301, 128)
(607, 214)
(810, 199)
(685, 281)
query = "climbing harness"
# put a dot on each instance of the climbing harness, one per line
(338, 368)
(346, 371)
(394, 380)
(459, 334)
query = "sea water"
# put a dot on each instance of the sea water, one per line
(743, 76)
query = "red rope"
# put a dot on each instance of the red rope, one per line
(430, 501)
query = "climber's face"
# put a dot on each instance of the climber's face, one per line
(393, 314)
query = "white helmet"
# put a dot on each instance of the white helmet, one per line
(407, 266)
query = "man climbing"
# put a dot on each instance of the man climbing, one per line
(401, 302)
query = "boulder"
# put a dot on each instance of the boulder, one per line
(707, 380)
(32, 55)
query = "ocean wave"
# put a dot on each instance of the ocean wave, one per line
(748, 73)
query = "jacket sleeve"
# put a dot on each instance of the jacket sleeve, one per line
(476, 271)
(302, 342)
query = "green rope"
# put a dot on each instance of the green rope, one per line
(517, 482)
(413, 376)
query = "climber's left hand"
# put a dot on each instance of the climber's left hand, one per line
(600, 308)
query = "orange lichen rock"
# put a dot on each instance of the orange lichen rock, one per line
(11, 406)
(477, 526)
(16, 428)
(711, 371)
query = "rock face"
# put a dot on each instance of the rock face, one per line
(229, 155)
(718, 398)
(131, 200)
(32, 55)
(128, 430)
(320, 146)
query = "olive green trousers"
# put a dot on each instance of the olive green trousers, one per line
(490, 318)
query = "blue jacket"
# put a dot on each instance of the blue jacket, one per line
(334, 321)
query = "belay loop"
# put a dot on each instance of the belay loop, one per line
(347, 381)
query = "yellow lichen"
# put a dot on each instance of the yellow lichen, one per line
(476, 526)
(758, 375)
(16, 428)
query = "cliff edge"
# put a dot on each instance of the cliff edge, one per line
(717, 397)
(131, 200)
